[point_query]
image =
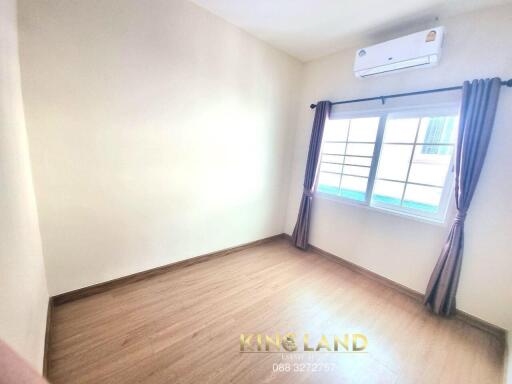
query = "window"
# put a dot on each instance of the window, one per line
(399, 161)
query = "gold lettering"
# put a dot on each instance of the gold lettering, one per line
(343, 343)
(289, 343)
(245, 341)
(269, 341)
(362, 347)
(323, 343)
(306, 343)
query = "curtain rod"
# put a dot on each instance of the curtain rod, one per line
(507, 83)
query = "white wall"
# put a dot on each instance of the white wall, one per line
(157, 133)
(23, 293)
(477, 45)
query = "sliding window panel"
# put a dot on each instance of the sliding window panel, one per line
(347, 150)
(414, 171)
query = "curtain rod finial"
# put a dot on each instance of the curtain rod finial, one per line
(508, 83)
(312, 106)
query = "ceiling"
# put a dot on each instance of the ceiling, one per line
(309, 29)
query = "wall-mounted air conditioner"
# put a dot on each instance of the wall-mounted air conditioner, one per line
(419, 50)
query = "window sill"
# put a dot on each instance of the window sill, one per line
(405, 215)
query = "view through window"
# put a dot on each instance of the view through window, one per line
(397, 161)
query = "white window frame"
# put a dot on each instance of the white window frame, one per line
(439, 217)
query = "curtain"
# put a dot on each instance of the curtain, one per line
(479, 102)
(301, 230)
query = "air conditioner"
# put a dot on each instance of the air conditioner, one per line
(419, 50)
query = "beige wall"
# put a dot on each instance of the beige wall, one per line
(23, 293)
(157, 133)
(477, 45)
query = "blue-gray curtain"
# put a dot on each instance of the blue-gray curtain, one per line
(479, 102)
(301, 230)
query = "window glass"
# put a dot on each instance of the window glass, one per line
(336, 130)
(431, 166)
(329, 182)
(422, 198)
(357, 149)
(364, 129)
(355, 160)
(394, 161)
(354, 187)
(388, 192)
(401, 130)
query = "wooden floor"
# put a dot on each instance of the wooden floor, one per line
(184, 326)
